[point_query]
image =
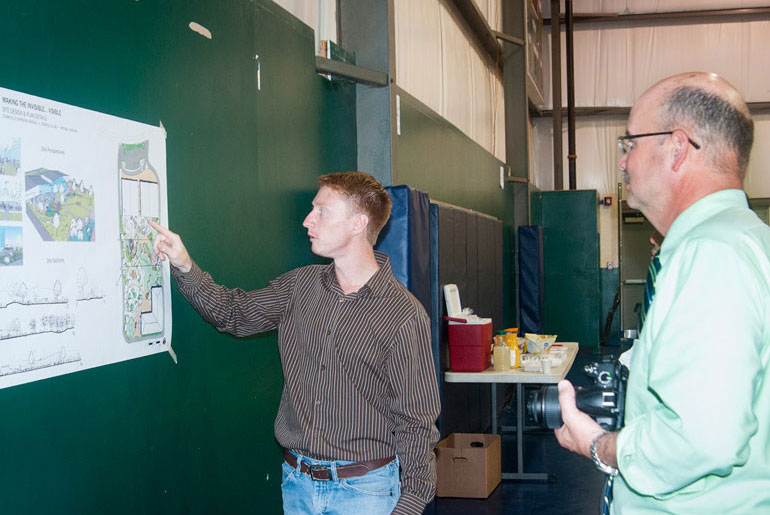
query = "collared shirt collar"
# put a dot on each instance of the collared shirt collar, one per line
(698, 212)
(377, 285)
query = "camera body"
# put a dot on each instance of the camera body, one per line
(604, 401)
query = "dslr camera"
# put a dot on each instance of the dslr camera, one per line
(604, 401)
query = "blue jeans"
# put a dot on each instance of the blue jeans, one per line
(375, 493)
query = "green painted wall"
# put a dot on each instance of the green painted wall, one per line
(435, 156)
(148, 436)
(572, 307)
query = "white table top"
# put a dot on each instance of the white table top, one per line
(517, 375)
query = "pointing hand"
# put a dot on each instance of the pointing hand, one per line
(168, 245)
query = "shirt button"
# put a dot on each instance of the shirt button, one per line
(341, 301)
(323, 367)
(318, 403)
(328, 332)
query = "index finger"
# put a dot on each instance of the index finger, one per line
(159, 228)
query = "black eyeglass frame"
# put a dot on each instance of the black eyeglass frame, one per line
(621, 139)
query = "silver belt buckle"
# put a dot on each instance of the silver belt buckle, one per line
(319, 468)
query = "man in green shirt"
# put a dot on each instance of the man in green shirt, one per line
(697, 431)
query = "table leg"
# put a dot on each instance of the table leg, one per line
(519, 428)
(494, 408)
(520, 474)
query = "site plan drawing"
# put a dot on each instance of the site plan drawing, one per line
(79, 284)
(140, 271)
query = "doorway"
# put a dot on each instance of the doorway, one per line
(635, 248)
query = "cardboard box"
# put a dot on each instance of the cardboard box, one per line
(465, 468)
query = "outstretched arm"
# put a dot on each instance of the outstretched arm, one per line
(232, 311)
(168, 245)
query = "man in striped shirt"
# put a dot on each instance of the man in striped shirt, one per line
(360, 398)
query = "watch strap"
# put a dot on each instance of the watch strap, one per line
(598, 463)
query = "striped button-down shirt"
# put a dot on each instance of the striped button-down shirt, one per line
(359, 382)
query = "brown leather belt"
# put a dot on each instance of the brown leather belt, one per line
(323, 473)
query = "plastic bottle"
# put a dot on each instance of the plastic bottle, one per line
(511, 341)
(502, 357)
(513, 334)
(515, 356)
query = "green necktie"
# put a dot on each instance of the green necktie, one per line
(649, 293)
(649, 286)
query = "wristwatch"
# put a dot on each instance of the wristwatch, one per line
(599, 464)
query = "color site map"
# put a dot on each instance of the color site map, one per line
(79, 284)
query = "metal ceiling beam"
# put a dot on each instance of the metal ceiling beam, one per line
(351, 72)
(663, 16)
(584, 111)
(571, 147)
(558, 171)
(602, 111)
(509, 39)
(478, 25)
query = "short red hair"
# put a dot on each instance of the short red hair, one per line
(367, 195)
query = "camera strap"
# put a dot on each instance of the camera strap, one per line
(604, 506)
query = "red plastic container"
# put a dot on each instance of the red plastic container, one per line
(470, 337)
(470, 346)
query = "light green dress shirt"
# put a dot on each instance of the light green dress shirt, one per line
(697, 432)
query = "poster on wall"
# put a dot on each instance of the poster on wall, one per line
(79, 284)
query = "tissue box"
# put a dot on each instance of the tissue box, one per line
(468, 465)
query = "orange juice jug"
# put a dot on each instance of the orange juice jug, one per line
(511, 341)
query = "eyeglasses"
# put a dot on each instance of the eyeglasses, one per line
(626, 143)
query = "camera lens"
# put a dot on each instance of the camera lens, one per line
(543, 407)
(604, 401)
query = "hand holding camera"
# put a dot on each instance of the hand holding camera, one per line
(604, 401)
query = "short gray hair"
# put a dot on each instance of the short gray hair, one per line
(716, 121)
